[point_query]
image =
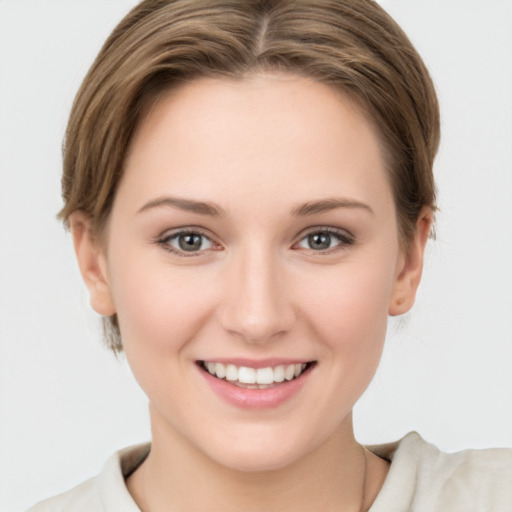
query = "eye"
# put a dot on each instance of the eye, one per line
(325, 239)
(186, 242)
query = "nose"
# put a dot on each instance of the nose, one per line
(257, 306)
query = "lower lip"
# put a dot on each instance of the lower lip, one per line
(247, 398)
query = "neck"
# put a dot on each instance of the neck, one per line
(177, 476)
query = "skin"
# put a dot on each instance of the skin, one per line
(259, 149)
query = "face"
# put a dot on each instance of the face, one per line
(252, 258)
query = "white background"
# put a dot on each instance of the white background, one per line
(66, 403)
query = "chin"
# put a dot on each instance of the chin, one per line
(250, 462)
(257, 453)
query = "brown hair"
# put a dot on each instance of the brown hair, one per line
(352, 45)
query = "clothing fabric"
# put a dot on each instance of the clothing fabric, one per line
(421, 479)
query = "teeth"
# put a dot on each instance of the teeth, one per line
(246, 375)
(220, 370)
(265, 376)
(289, 372)
(231, 372)
(279, 373)
(260, 378)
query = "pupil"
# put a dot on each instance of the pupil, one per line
(319, 241)
(191, 242)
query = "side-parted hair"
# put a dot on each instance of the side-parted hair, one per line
(353, 46)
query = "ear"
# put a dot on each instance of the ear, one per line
(410, 267)
(92, 263)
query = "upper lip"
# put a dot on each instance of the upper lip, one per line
(257, 363)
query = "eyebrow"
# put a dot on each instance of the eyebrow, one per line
(325, 205)
(188, 205)
(214, 210)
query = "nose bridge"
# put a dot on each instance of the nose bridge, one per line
(256, 304)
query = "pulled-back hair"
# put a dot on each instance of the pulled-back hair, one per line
(351, 45)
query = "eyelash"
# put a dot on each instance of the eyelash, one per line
(344, 238)
(166, 239)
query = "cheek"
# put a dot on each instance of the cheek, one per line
(351, 298)
(349, 309)
(350, 319)
(159, 312)
(159, 308)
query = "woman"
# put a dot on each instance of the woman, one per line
(249, 188)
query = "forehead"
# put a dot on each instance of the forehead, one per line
(269, 131)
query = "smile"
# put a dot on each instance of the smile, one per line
(254, 378)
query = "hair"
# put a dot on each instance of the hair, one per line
(351, 45)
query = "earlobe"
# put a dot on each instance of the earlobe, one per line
(92, 263)
(411, 267)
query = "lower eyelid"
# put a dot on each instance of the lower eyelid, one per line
(165, 242)
(342, 237)
(344, 240)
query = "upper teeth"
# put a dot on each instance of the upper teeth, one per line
(247, 375)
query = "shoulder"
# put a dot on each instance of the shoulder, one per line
(106, 492)
(83, 497)
(422, 478)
